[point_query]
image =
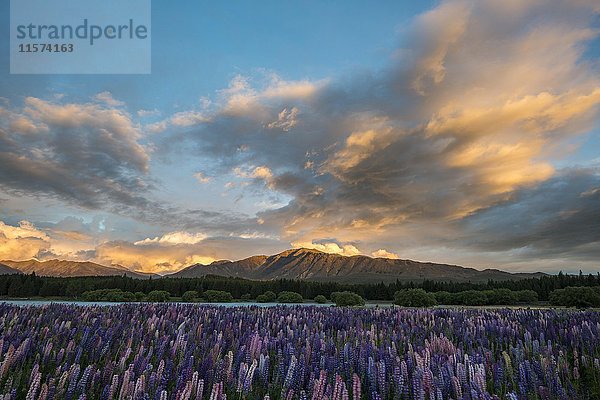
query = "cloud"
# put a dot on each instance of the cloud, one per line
(148, 257)
(107, 97)
(148, 113)
(25, 230)
(383, 253)
(259, 174)
(329, 247)
(279, 88)
(90, 156)
(84, 154)
(286, 120)
(554, 219)
(157, 127)
(74, 239)
(188, 118)
(64, 239)
(454, 149)
(180, 250)
(472, 113)
(174, 238)
(200, 177)
(24, 241)
(440, 29)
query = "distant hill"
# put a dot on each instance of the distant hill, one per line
(6, 270)
(242, 268)
(315, 265)
(65, 268)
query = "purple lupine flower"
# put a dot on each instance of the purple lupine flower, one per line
(356, 387)
(175, 351)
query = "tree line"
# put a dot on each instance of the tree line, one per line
(32, 285)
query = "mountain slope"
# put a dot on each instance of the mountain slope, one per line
(65, 268)
(6, 270)
(242, 268)
(318, 266)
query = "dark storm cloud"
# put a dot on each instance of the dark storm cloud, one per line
(558, 217)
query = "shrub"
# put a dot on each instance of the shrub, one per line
(320, 299)
(266, 297)
(246, 297)
(343, 299)
(271, 296)
(501, 297)
(120, 296)
(158, 296)
(140, 296)
(526, 296)
(581, 297)
(472, 298)
(290, 297)
(261, 298)
(414, 298)
(217, 296)
(108, 295)
(190, 296)
(445, 298)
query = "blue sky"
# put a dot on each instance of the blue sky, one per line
(423, 130)
(198, 47)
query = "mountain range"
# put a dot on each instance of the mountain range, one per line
(66, 268)
(303, 264)
(5, 270)
(314, 265)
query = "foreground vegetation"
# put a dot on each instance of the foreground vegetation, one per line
(581, 297)
(567, 290)
(178, 351)
(32, 285)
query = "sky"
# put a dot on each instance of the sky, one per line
(462, 132)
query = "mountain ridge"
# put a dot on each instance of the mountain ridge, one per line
(299, 263)
(6, 270)
(315, 265)
(65, 268)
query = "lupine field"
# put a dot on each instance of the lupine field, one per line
(181, 352)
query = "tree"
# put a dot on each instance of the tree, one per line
(119, 295)
(246, 297)
(347, 299)
(29, 289)
(190, 296)
(501, 297)
(15, 288)
(526, 296)
(414, 298)
(115, 295)
(261, 298)
(266, 297)
(140, 296)
(320, 299)
(158, 296)
(472, 298)
(581, 297)
(446, 298)
(289, 297)
(218, 296)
